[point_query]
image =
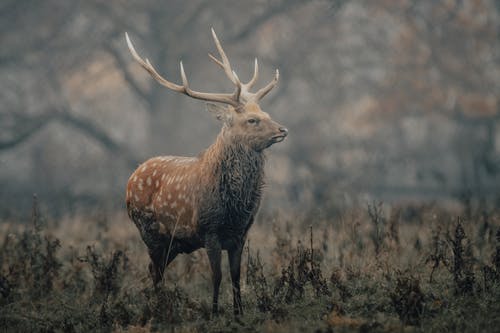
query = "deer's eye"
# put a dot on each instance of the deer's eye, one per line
(252, 121)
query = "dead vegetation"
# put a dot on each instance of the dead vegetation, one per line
(370, 271)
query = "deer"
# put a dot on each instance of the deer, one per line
(181, 204)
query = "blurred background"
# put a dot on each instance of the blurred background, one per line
(384, 100)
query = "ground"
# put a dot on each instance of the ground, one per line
(378, 268)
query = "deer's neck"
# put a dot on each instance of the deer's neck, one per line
(238, 173)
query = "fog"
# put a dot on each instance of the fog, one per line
(384, 100)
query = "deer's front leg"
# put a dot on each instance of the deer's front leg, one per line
(234, 256)
(214, 256)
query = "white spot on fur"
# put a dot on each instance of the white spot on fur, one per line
(140, 185)
(157, 184)
(169, 196)
(136, 198)
(163, 177)
(173, 204)
(144, 168)
(148, 181)
(135, 178)
(154, 172)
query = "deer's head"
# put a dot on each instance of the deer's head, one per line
(240, 112)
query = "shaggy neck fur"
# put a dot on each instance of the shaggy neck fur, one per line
(235, 173)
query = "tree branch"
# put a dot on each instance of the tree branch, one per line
(32, 126)
(122, 65)
(98, 134)
(256, 22)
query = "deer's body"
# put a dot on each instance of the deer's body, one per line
(188, 197)
(180, 204)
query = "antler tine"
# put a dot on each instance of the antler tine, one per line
(225, 60)
(185, 83)
(263, 91)
(150, 69)
(237, 92)
(184, 78)
(255, 75)
(217, 61)
(221, 98)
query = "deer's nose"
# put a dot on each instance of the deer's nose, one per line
(284, 130)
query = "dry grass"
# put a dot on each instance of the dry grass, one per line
(376, 269)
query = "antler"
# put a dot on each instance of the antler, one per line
(234, 99)
(225, 65)
(231, 74)
(263, 91)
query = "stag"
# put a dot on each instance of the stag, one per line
(181, 204)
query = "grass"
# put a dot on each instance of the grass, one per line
(376, 269)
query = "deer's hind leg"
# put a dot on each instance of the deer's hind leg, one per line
(162, 248)
(161, 253)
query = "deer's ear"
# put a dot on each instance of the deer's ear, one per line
(222, 113)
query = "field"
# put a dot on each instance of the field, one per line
(373, 269)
